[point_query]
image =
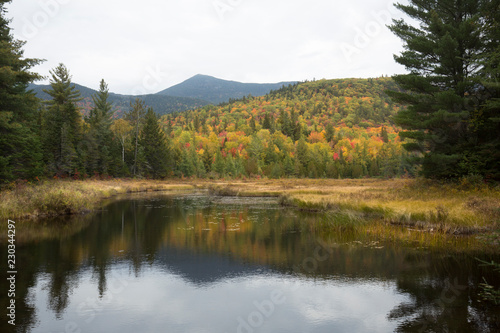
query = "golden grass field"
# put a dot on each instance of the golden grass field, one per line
(413, 203)
(452, 208)
(59, 197)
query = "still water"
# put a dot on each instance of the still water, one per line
(194, 263)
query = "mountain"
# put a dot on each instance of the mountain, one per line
(162, 104)
(218, 91)
(338, 128)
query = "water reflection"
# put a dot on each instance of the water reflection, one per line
(201, 264)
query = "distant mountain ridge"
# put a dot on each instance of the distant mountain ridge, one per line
(161, 104)
(216, 91)
(194, 93)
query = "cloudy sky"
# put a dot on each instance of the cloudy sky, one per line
(146, 46)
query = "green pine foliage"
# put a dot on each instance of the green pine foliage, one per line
(62, 126)
(20, 147)
(101, 155)
(135, 116)
(155, 147)
(452, 55)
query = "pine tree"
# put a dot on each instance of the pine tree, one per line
(295, 125)
(266, 124)
(100, 132)
(154, 146)
(253, 127)
(187, 166)
(330, 132)
(384, 135)
(135, 117)
(229, 167)
(485, 120)
(62, 124)
(443, 86)
(284, 120)
(207, 160)
(219, 165)
(288, 167)
(302, 157)
(20, 148)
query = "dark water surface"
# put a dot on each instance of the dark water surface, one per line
(192, 263)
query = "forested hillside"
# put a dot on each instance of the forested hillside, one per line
(162, 104)
(327, 128)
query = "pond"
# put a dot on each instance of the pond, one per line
(195, 263)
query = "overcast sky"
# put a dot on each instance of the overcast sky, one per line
(146, 46)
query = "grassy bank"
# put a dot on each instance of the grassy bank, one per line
(51, 198)
(413, 204)
(422, 205)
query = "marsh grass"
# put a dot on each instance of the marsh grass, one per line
(464, 208)
(460, 208)
(63, 197)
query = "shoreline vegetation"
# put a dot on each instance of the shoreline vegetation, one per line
(69, 197)
(418, 204)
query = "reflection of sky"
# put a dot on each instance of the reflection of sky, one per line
(160, 301)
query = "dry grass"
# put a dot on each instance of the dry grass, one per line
(53, 198)
(419, 204)
(415, 204)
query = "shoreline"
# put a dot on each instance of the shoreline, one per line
(71, 197)
(416, 204)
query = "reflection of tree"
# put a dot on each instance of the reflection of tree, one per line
(27, 263)
(192, 234)
(443, 299)
(60, 286)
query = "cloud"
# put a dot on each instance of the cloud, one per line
(249, 41)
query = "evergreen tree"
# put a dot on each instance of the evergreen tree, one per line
(207, 159)
(256, 152)
(302, 157)
(295, 124)
(100, 132)
(187, 166)
(135, 117)
(443, 88)
(198, 163)
(219, 165)
(62, 124)
(284, 120)
(154, 146)
(330, 132)
(240, 168)
(288, 167)
(384, 135)
(169, 127)
(267, 122)
(20, 148)
(253, 127)
(485, 120)
(230, 168)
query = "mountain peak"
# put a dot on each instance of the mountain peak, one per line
(217, 91)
